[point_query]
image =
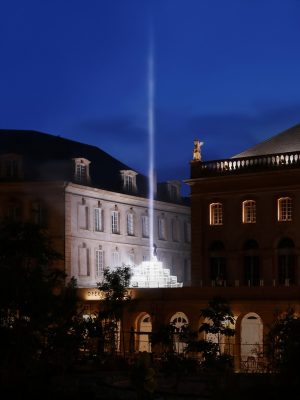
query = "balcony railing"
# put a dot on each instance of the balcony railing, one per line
(245, 164)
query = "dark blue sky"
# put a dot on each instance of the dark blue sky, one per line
(226, 72)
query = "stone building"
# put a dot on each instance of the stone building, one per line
(95, 207)
(245, 218)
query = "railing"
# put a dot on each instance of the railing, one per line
(245, 164)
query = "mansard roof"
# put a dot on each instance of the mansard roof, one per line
(283, 142)
(49, 157)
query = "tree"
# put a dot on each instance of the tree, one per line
(283, 344)
(114, 288)
(35, 303)
(218, 322)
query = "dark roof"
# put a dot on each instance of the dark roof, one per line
(49, 157)
(283, 142)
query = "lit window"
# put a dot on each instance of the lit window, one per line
(161, 228)
(249, 212)
(216, 214)
(130, 224)
(98, 219)
(285, 209)
(115, 222)
(99, 263)
(145, 226)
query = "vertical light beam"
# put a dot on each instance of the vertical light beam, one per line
(151, 139)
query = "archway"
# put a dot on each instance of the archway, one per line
(179, 320)
(144, 331)
(251, 337)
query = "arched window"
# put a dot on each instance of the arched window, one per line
(144, 329)
(217, 263)
(251, 263)
(249, 212)
(251, 338)
(284, 209)
(180, 321)
(286, 262)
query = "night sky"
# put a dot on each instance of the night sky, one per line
(226, 72)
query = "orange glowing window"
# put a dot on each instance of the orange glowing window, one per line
(216, 214)
(249, 212)
(284, 209)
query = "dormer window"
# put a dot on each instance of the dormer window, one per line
(11, 166)
(173, 188)
(81, 171)
(129, 180)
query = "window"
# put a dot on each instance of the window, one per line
(129, 183)
(115, 222)
(99, 263)
(115, 258)
(251, 263)
(217, 264)
(286, 262)
(11, 166)
(129, 180)
(174, 227)
(162, 228)
(174, 192)
(38, 214)
(130, 224)
(84, 261)
(14, 211)
(249, 212)
(216, 214)
(98, 219)
(187, 232)
(83, 216)
(81, 172)
(131, 257)
(284, 207)
(145, 226)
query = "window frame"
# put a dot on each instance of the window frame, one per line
(115, 222)
(216, 214)
(249, 212)
(284, 209)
